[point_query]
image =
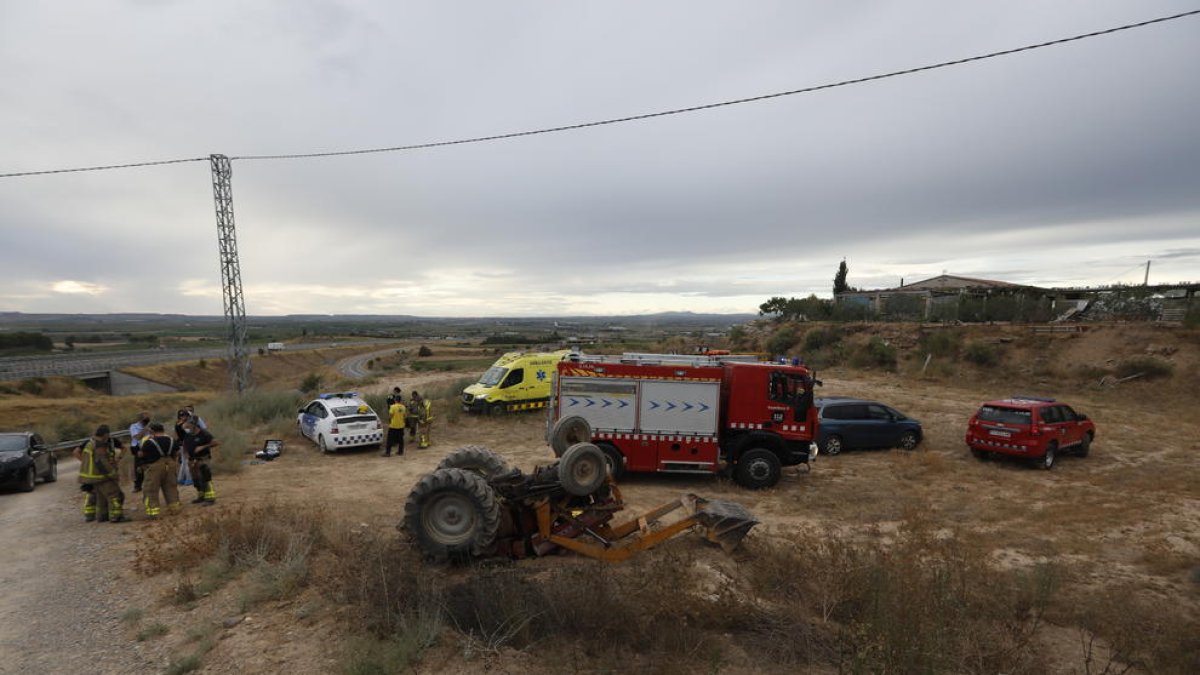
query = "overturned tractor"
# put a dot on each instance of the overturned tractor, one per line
(475, 506)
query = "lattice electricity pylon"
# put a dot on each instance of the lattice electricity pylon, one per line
(231, 273)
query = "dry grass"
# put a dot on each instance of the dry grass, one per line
(874, 561)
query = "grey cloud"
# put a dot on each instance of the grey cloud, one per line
(971, 169)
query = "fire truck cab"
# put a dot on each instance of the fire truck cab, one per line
(698, 414)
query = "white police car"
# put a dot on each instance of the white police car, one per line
(340, 420)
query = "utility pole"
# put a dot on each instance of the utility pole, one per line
(231, 274)
(1146, 281)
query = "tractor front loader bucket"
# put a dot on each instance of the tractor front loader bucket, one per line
(724, 523)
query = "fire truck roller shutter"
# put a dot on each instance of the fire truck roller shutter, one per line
(608, 404)
(687, 407)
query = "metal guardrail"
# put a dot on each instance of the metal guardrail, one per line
(69, 445)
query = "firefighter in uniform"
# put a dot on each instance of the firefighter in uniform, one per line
(414, 406)
(198, 445)
(98, 476)
(159, 471)
(424, 421)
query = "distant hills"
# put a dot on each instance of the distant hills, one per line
(135, 321)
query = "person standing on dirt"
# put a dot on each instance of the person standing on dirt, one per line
(155, 453)
(98, 476)
(198, 446)
(424, 422)
(138, 431)
(414, 406)
(395, 433)
(183, 476)
(191, 409)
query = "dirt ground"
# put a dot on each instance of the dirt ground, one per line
(1126, 517)
(1125, 520)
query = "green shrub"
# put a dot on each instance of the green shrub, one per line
(875, 354)
(781, 341)
(152, 631)
(310, 384)
(1149, 367)
(32, 385)
(184, 664)
(252, 408)
(72, 424)
(1090, 372)
(982, 354)
(1192, 318)
(940, 342)
(820, 338)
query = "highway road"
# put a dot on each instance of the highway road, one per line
(21, 367)
(356, 366)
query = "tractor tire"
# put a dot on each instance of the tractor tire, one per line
(616, 461)
(757, 469)
(452, 515)
(582, 469)
(569, 431)
(476, 458)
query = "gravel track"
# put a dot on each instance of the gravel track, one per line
(66, 585)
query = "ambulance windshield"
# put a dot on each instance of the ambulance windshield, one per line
(493, 376)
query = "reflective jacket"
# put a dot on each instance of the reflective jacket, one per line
(97, 464)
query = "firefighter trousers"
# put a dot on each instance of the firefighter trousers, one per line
(104, 502)
(202, 479)
(423, 429)
(160, 479)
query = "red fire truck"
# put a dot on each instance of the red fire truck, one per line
(677, 413)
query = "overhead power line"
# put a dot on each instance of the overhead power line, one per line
(646, 116)
(104, 168)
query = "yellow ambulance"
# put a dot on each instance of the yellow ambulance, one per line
(516, 381)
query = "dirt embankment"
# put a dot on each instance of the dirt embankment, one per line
(1120, 527)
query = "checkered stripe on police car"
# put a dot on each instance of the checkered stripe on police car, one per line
(358, 439)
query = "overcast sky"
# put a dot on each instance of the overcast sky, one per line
(1067, 165)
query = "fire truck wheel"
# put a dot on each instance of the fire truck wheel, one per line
(758, 468)
(452, 514)
(616, 461)
(582, 469)
(476, 458)
(569, 431)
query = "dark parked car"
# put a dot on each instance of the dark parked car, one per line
(851, 423)
(24, 458)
